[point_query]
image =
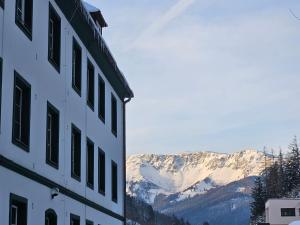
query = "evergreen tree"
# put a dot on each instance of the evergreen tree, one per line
(281, 175)
(259, 198)
(293, 167)
(272, 181)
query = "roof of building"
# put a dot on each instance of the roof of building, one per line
(83, 24)
(95, 13)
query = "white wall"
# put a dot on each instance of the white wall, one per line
(30, 59)
(274, 206)
(40, 200)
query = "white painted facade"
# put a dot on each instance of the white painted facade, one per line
(274, 209)
(30, 59)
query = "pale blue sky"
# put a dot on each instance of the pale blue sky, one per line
(219, 75)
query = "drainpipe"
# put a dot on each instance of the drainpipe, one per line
(125, 101)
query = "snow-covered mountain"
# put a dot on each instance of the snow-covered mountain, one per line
(188, 174)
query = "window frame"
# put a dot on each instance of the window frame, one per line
(101, 153)
(21, 24)
(22, 200)
(2, 2)
(74, 217)
(89, 90)
(284, 212)
(114, 188)
(48, 158)
(24, 83)
(48, 212)
(114, 115)
(101, 99)
(76, 46)
(54, 13)
(90, 143)
(73, 174)
(89, 222)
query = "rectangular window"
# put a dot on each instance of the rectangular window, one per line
(21, 113)
(76, 67)
(90, 163)
(114, 181)
(74, 220)
(90, 85)
(88, 222)
(17, 210)
(54, 31)
(288, 212)
(114, 119)
(23, 17)
(101, 172)
(52, 138)
(76, 153)
(2, 4)
(101, 99)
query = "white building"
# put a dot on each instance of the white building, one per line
(62, 127)
(282, 211)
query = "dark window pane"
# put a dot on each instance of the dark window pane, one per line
(52, 139)
(90, 85)
(114, 185)
(101, 172)
(90, 164)
(76, 153)
(76, 67)
(24, 16)
(21, 116)
(288, 212)
(54, 38)
(101, 99)
(18, 210)
(74, 220)
(114, 121)
(50, 217)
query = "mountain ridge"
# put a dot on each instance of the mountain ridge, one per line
(182, 183)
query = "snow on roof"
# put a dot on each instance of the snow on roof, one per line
(90, 7)
(295, 223)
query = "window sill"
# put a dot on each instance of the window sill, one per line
(114, 133)
(90, 105)
(75, 177)
(52, 164)
(101, 192)
(90, 186)
(20, 145)
(101, 118)
(54, 64)
(25, 30)
(77, 90)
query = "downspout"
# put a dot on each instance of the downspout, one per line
(125, 101)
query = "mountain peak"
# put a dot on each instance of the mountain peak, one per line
(174, 173)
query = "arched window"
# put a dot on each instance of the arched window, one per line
(50, 217)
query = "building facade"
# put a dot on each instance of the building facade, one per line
(282, 211)
(62, 125)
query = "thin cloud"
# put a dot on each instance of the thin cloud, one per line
(175, 11)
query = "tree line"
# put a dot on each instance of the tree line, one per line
(142, 213)
(279, 180)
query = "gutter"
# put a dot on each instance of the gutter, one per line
(125, 101)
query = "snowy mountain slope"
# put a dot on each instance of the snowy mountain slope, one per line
(226, 205)
(188, 174)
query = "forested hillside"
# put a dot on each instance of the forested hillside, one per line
(139, 212)
(281, 179)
